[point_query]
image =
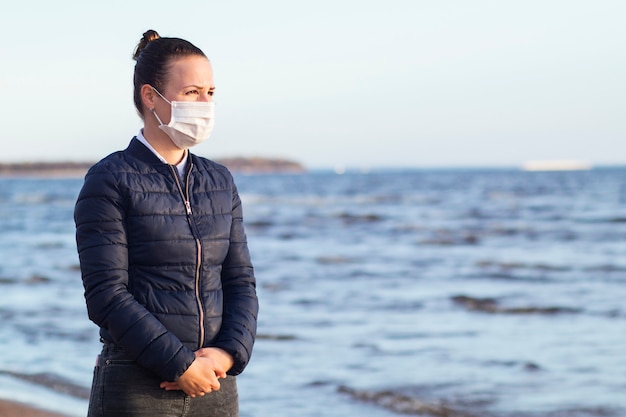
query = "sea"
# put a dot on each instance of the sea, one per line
(425, 292)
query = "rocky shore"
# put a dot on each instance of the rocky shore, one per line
(15, 409)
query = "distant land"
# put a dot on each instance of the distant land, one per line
(253, 165)
(261, 165)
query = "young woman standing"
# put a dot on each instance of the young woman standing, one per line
(163, 252)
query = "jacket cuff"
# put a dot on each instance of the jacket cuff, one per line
(177, 365)
(240, 360)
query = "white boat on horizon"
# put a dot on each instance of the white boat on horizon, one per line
(556, 165)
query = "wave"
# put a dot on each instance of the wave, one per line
(32, 280)
(405, 404)
(402, 403)
(491, 305)
(52, 381)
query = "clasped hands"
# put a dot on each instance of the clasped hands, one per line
(202, 375)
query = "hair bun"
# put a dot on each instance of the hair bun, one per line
(148, 36)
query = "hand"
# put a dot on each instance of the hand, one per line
(223, 361)
(218, 360)
(197, 380)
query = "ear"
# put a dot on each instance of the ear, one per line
(148, 96)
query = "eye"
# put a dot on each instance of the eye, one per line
(211, 92)
(190, 92)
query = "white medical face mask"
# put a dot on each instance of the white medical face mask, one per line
(191, 122)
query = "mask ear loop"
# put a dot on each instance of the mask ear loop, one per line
(152, 109)
(162, 96)
(157, 116)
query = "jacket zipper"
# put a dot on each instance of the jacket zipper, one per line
(185, 196)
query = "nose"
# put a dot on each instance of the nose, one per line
(205, 97)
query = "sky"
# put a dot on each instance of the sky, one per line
(330, 83)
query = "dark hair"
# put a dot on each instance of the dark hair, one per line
(154, 54)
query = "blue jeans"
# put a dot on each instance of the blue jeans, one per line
(121, 388)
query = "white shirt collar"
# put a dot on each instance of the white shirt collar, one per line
(180, 167)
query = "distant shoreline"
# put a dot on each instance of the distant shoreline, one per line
(254, 165)
(48, 169)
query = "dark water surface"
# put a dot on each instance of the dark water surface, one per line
(433, 293)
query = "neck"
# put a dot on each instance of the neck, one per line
(163, 144)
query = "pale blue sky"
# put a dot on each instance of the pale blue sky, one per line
(357, 83)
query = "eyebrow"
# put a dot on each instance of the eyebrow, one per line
(199, 87)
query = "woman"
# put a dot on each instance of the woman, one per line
(163, 253)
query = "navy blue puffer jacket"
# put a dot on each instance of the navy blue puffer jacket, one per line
(165, 262)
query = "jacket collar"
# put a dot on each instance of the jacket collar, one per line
(138, 150)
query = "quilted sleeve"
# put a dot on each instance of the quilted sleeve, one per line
(239, 318)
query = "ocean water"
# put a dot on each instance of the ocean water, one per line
(458, 293)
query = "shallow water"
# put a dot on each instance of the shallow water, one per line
(458, 293)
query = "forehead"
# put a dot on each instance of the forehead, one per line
(190, 70)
